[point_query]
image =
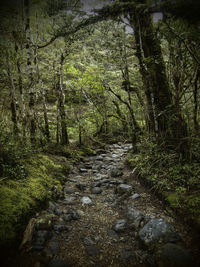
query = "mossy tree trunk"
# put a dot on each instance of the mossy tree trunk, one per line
(171, 131)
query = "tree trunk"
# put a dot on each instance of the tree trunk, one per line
(61, 106)
(144, 74)
(13, 97)
(195, 95)
(21, 90)
(171, 131)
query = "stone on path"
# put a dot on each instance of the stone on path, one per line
(135, 217)
(158, 230)
(83, 170)
(135, 196)
(82, 186)
(171, 255)
(69, 200)
(68, 190)
(116, 172)
(96, 190)
(86, 200)
(124, 188)
(120, 225)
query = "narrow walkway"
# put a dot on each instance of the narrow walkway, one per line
(104, 218)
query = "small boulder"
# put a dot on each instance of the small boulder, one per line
(70, 200)
(86, 200)
(135, 196)
(124, 188)
(158, 230)
(120, 225)
(116, 172)
(135, 217)
(96, 190)
(69, 190)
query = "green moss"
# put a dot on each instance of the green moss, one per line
(173, 200)
(18, 198)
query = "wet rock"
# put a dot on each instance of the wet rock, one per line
(96, 190)
(97, 179)
(70, 200)
(108, 159)
(83, 170)
(124, 188)
(69, 190)
(58, 212)
(116, 172)
(135, 217)
(57, 263)
(82, 186)
(88, 165)
(100, 158)
(67, 218)
(95, 184)
(93, 251)
(72, 180)
(171, 255)
(158, 230)
(120, 225)
(75, 215)
(41, 237)
(52, 206)
(135, 196)
(86, 200)
(44, 222)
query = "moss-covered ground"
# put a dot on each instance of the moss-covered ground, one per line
(23, 194)
(21, 197)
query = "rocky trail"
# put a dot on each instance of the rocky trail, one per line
(105, 218)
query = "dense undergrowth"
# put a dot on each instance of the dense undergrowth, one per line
(176, 181)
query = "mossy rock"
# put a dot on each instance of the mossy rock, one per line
(44, 221)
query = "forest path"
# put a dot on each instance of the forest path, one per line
(98, 219)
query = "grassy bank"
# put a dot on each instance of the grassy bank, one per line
(175, 181)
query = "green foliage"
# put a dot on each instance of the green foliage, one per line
(178, 183)
(12, 154)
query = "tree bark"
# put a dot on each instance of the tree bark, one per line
(13, 103)
(61, 106)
